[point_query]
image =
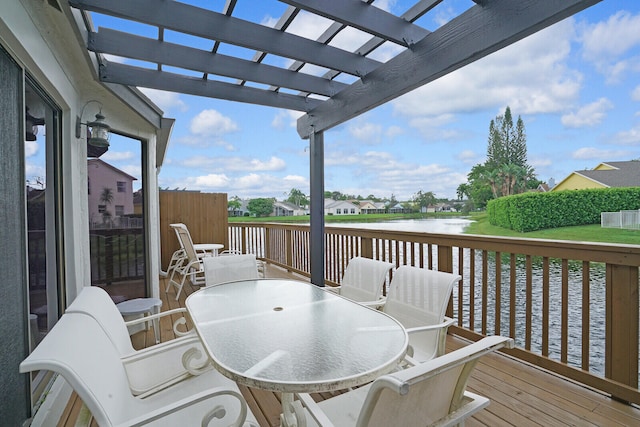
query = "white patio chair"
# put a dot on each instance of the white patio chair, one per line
(228, 268)
(152, 368)
(201, 249)
(429, 394)
(79, 350)
(363, 281)
(418, 299)
(260, 264)
(189, 265)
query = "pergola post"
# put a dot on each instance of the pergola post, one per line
(316, 238)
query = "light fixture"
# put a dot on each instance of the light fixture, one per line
(97, 130)
(31, 125)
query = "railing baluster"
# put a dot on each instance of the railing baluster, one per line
(512, 294)
(485, 292)
(545, 306)
(529, 303)
(586, 299)
(564, 334)
(498, 292)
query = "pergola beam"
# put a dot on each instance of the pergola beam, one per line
(112, 72)
(151, 50)
(473, 35)
(367, 18)
(227, 29)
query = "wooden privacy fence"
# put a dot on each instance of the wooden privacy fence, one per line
(204, 214)
(571, 307)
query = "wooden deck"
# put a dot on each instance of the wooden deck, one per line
(521, 394)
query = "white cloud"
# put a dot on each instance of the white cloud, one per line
(211, 123)
(592, 153)
(114, 156)
(605, 42)
(366, 132)
(393, 131)
(30, 148)
(470, 157)
(589, 115)
(235, 164)
(210, 181)
(628, 137)
(165, 100)
(527, 76)
(286, 118)
(635, 94)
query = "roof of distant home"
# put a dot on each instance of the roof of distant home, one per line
(608, 174)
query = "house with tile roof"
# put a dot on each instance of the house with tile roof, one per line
(605, 175)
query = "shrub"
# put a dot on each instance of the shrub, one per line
(537, 211)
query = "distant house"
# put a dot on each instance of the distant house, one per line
(288, 209)
(369, 207)
(340, 207)
(605, 175)
(398, 208)
(240, 211)
(103, 177)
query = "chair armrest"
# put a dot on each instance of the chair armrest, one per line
(314, 410)
(375, 304)
(444, 325)
(180, 321)
(217, 411)
(158, 367)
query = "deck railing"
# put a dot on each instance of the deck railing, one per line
(571, 307)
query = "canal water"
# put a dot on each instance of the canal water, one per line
(597, 294)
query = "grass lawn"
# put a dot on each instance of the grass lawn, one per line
(582, 233)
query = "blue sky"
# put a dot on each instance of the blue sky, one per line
(576, 85)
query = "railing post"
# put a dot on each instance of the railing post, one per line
(288, 244)
(108, 258)
(366, 249)
(621, 348)
(267, 246)
(445, 258)
(445, 263)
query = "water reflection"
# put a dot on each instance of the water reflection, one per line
(428, 225)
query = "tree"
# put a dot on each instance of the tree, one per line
(298, 198)
(505, 172)
(423, 199)
(106, 197)
(234, 204)
(260, 207)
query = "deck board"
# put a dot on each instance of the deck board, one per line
(521, 394)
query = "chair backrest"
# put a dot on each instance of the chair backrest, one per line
(418, 296)
(228, 268)
(96, 302)
(430, 392)
(79, 349)
(184, 237)
(364, 278)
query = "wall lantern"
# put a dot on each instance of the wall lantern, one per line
(31, 126)
(98, 131)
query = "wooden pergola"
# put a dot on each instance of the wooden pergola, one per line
(179, 47)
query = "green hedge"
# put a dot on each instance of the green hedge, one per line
(538, 211)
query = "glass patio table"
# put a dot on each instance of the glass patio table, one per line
(290, 336)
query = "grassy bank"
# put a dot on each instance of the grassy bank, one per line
(583, 233)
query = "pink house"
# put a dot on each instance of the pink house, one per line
(105, 179)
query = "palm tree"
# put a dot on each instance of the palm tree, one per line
(106, 197)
